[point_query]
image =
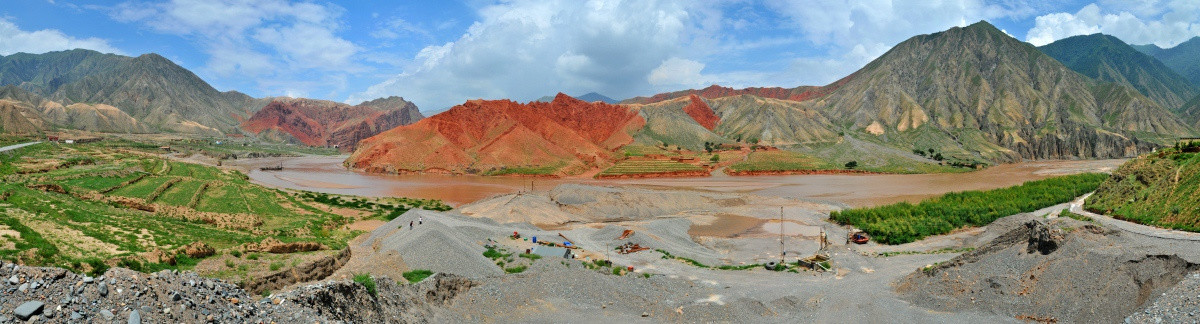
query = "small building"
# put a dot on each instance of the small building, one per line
(551, 251)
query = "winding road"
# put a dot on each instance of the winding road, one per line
(1170, 234)
(16, 146)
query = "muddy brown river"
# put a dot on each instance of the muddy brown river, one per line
(326, 174)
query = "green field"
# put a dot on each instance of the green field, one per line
(779, 161)
(142, 188)
(85, 231)
(904, 222)
(648, 167)
(181, 193)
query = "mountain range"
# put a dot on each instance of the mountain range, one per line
(327, 123)
(973, 94)
(88, 90)
(1183, 58)
(1107, 59)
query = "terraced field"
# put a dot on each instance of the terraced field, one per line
(631, 167)
(125, 204)
(779, 161)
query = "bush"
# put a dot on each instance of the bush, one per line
(851, 164)
(367, 281)
(904, 222)
(416, 276)
(275, 266)
(530, 256)
(518, 269)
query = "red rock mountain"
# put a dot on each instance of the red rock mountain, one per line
(486, 135)
(326, 123)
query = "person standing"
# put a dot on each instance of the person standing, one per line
(410, 225)
(421, 220)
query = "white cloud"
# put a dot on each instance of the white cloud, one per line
(525, 49)
(14, 40)
(1151, 22)
(677, 71)
(856, 32)
(251, 37)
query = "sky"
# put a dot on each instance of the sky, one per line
(442, 53)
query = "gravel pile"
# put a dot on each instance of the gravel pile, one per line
(558, 291)
(122, 295)
(1180, 304)
(442, 242)
(1066, 271)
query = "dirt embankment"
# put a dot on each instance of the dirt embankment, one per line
(675, 174)
(796, 172)
(1063, 271)
(307, 272)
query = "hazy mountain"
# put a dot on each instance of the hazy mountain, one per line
(155, 91)
(589, 97)
(327, 123)
(1183, 58)
(975, 92)
(800, 93)
(1108, 59)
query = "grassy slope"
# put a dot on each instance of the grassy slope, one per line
(65, 230)
(1159, 189)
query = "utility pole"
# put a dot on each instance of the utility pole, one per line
(782, 253)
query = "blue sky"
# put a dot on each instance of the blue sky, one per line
(441, 53)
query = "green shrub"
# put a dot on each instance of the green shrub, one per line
(418, 275)
(517, 269)
(530, 256)
(367, 281)
(904, 222)
(275, 266)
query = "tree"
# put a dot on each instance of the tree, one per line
(938, 157)
(851, 164)
(715, 158)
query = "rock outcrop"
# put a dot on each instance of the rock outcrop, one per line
(483, 135)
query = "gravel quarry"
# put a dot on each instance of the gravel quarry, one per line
(1026, 267)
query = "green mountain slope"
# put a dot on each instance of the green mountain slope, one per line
(1108, 59)
(977, 91)
(152, 89)
(1160, 189)
(1183, 58)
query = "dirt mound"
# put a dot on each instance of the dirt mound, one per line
(482, 135)
(309, 271)
(197, 250)
(327, 123)
(349, 302)
(1062, 271)
(273, 245)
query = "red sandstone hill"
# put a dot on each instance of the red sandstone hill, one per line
(482, 136)
(327, 123)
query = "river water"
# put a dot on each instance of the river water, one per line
(326, 174)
